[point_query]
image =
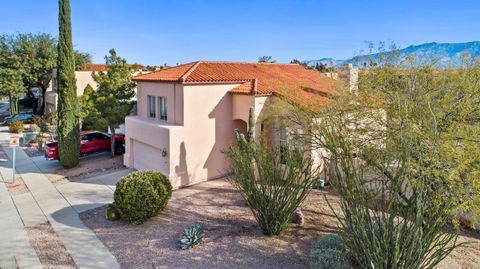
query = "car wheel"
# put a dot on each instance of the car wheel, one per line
(119, 149)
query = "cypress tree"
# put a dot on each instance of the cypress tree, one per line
(68, 126)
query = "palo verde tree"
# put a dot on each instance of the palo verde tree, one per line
(68, 126)
(404, 155)
(113, 98)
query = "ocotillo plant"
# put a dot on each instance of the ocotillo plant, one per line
(274, 182)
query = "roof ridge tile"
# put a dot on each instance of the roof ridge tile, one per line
(189, 71)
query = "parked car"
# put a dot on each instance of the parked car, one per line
(23, 117)
(90, 142)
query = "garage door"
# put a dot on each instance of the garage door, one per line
(146, 157)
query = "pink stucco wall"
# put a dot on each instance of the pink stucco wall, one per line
(200, 125)
(172, 91)
(201, 120)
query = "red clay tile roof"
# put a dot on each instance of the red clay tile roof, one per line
(103, 67)
(95, 67)
(254, 78)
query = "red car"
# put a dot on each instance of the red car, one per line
(91, 142)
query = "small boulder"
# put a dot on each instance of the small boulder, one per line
(298, 217)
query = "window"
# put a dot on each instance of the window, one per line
(151, 107)
(99, 136)
(162, 102)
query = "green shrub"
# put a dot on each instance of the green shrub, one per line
(33, 128)
(142, 195)
(52, 118)
(329, 252)
(16, 127)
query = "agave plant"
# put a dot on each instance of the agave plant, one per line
(191, 236)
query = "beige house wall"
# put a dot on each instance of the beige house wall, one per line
(83, 79)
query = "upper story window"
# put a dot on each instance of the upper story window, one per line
(151, 107)
(162, 102)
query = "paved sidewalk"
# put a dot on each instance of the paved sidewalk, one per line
(60, 206)
(15, 248)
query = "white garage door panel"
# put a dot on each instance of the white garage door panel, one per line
(146, 157)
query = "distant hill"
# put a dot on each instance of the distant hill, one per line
(442, 54)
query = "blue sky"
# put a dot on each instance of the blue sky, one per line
(154, 32)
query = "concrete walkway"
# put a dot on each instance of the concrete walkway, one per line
(15, 249)
(61, 205)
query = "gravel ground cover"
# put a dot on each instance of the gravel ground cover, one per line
(233, 239)
(87, 169)
(49, 248)
(17, 187)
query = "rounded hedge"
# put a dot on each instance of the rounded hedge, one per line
(16, 127)
(329, 252)
(141, 195)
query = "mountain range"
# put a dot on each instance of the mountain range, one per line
(442, 55)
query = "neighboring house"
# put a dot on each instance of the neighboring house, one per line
(186, 115)
(83, 78)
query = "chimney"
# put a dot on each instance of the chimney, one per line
(349, 74)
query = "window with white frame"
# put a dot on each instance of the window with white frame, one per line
(152, 113)
(162, 103)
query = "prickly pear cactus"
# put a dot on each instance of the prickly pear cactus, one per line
(191, 236)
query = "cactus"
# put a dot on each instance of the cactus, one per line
(251, 125)
(246, 142)
(191, 236)
(250, 137)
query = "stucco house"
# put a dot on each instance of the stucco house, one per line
(187, 115)
(83, 78)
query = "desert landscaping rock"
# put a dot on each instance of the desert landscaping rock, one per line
(49, 248)
(298, 217)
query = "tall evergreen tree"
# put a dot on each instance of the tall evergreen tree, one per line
(68, 126)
